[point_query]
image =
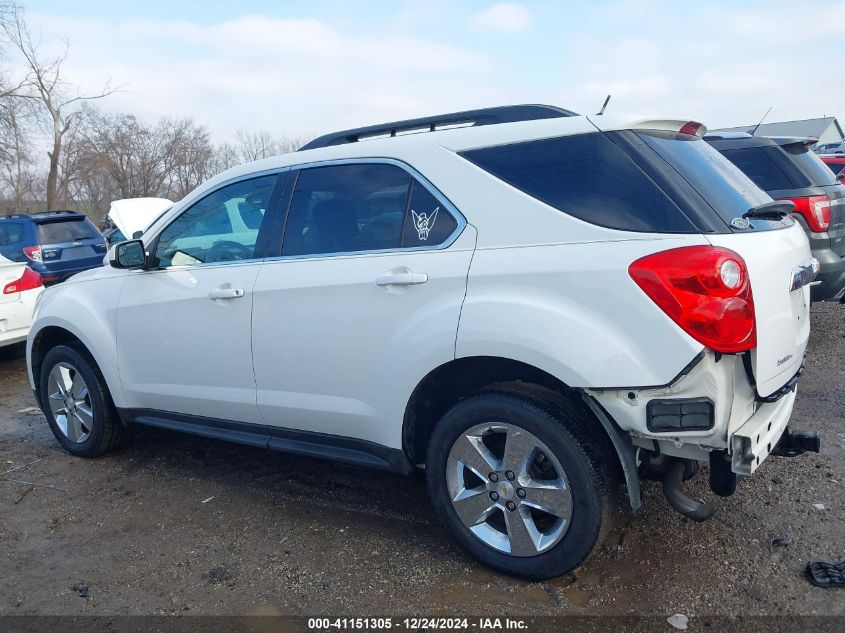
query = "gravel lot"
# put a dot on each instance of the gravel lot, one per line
(177, 524)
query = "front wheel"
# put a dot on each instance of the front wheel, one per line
(520, 482)
(76, 401)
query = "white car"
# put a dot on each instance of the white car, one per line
(533, 306)
(19, 288)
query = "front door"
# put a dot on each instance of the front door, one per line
(184, 327)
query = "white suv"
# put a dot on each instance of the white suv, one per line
(532, 305)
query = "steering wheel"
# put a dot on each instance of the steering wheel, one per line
(228, 251)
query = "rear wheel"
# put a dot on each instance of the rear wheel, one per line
(77, 404)
(520, 482)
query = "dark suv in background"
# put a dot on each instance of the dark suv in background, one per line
(787, 169)
(57, 244)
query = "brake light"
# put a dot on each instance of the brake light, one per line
(33, 253)
(28, 281)
(693, 128)
(815, 210)
(705, 290)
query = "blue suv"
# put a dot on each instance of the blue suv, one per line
(56, 244)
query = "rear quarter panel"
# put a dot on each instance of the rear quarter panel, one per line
(574, 311)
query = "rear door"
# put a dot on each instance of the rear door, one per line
(367, 290)
(70, 244)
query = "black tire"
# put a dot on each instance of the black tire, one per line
(569, 432)
(108, 432)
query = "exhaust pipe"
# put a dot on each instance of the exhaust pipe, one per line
(691, 508)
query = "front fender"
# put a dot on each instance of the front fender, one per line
(87, 310)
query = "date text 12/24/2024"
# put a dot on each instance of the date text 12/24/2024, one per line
(417, 624)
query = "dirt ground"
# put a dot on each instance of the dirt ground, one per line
(178, 524)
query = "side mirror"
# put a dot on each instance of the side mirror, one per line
(129, 255)
(841, 176)
(137, 235)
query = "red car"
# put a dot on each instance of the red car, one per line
(836, 162)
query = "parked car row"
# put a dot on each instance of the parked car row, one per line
(532, 305)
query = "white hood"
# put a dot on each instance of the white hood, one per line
(136, 214)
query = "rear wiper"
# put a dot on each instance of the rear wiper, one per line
(773, 209)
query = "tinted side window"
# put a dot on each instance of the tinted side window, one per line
(10, 233)
(66, 231)
(221, 227)
(766, 168)
(427, 223)
(346, 208)
(586, 176)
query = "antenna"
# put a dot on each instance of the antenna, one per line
(754, 131)
(604, 105)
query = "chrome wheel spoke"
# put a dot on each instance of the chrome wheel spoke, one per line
(472, 453)
(523, 535)
(552, 497)
(69, 402)
(508, 489)
(78, 388)
(519, 448)
(473, 506)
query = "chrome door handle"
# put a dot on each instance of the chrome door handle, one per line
(402, 279)
(226, 293)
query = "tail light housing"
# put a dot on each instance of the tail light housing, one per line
(33, 253)
(705, 290)
(28, 281)
(815, 210)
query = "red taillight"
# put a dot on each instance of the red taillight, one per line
(815, 210)
(33, 253)
(705, 290)
(28, 281)
(691, 127)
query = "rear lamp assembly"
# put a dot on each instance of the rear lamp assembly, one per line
(705, 290)
(815, 210)
(28, 281)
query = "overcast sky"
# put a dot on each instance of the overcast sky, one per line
(303, 68)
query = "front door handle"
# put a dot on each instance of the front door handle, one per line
(402, 279)
(226, 293)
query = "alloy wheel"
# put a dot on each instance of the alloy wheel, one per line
(70, 402)
(509, 489)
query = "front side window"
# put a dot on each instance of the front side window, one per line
(222, 227)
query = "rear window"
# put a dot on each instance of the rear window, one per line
(767, 167)
(835, 167)
(811, 165)
(722, 184)
(71, 230)
(586, 176)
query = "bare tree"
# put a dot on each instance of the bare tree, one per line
(252, 146)
(46, 86)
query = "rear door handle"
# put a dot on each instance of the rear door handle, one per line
(226, 293)
(402, 279)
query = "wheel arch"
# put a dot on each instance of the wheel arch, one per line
(445, 385)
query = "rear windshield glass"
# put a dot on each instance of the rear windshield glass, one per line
(721, 183)
(61, 231)
(810, 164)
(768, 167)
(835, 167)
(586, 176)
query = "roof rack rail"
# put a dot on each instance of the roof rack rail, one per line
(16, 216)
(483, 116)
